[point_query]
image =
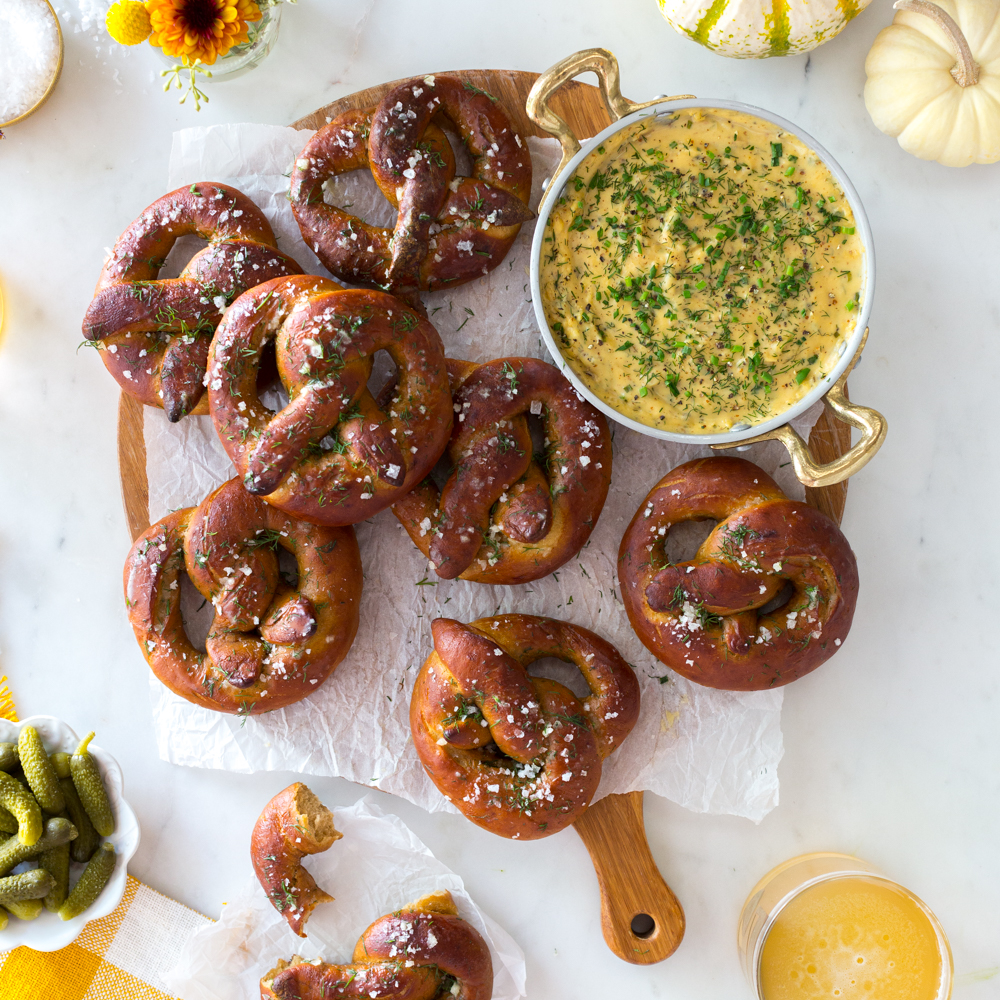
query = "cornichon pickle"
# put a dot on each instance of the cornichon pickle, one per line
(86, 836)
(8, 756)
(87, 779)
(28, 885)
(58, 830)
(18, 775)
(15, 797)
(93, 880)
(8, 822)
(4, 919)
(26, 909)
(38, 769)
(56, 862)
(60, 762)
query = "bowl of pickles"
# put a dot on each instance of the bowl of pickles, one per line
(66, 833)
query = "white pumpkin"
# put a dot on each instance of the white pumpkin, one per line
(756, 29)
(934, 80)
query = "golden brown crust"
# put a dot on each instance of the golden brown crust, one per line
(425, 951)
(700, 617)
(449, 229)
(293, 824)
(519, 755)
(502, 518)
(269, 645)
(153, 334)
(332, 455)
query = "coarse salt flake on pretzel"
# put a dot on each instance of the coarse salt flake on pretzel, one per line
(334, 454)
(505, 515)
(519, 755)
(449, 229)
(292, 825)
(703, 617)
(272, 642)
(152, 333)
(423, 951)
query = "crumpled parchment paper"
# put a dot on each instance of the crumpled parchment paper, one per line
(710, 751)
(377, 867)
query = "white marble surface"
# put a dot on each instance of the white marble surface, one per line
(892, 750)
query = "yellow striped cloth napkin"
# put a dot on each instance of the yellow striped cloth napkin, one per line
(120, 957)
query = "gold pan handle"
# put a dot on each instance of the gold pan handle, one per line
(871, 423)
(605, 65)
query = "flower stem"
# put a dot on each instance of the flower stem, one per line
(173, 77)
(966, 70)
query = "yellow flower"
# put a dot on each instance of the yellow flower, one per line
(200, 29)
(128, 22)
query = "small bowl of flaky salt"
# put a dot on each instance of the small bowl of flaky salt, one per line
(31, 57)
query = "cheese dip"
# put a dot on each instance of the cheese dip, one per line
(701, 270)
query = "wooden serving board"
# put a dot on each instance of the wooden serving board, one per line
(613, 830)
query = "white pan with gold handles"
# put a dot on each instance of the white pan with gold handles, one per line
(831, 389)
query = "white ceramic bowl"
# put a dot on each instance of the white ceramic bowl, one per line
(851, 345)
(47, 932)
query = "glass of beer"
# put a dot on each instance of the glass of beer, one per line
(832, 926)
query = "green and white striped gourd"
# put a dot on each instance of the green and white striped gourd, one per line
(756, 29)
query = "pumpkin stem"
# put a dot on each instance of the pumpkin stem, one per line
(966, 70)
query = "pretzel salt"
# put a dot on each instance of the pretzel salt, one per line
(506, 515)
(271, 643)
(293, 825)
(701, 617)
(518, 755)
(423, 951)
(450, 229)
(334, 454)
(153, 333)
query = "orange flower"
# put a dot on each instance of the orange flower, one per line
(200, 29)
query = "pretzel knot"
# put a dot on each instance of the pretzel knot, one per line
(502, 518)
(424, 951)
(449, 229)
(701, 617)
(333, 455)
(519, 755)
(153, 334)
(271, 642)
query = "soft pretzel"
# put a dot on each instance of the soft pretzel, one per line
(505, 515)
(153, 334)
(518, 755)
(424, 951)
(333, 455)
(450, 229)
(270, 643)
(700, 617)
(293, 824)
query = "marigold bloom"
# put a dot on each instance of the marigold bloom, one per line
(200, 29)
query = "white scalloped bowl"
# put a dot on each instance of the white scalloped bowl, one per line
(47, 932)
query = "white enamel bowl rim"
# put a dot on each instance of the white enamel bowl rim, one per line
(47, 932)
(550, 198)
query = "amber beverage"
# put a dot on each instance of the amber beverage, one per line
(832, 926)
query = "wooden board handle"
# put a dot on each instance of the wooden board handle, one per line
(631, 884)
(132, 464)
